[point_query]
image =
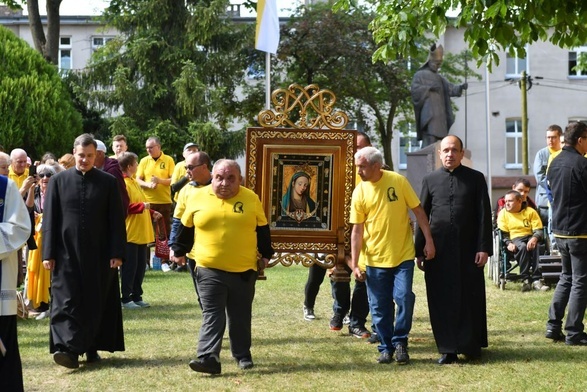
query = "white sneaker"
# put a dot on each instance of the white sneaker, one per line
(142, 304)
(42, 315)
(165, 267)
(309, 314)
(539, 286)
(130, 305)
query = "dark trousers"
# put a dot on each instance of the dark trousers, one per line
(132, 272)
(571, 289)
(357, 304)
(225, 295)
(315, 278)
(528, 260)
(10, 365)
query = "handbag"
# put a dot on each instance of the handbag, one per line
(161, 241)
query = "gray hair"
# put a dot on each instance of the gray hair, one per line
(227, 162)
(49, 167)
(5, 157)
(370, 154)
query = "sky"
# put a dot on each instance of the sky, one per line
(95, 7)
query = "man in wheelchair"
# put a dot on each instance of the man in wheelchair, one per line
(521, 230)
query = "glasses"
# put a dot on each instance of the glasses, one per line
(192, 167)
(43, 175)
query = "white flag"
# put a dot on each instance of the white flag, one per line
(267, 35)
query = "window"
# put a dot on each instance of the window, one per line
(99, 41)
(574, 56)
(516, 65)
(513, 143)
(408, 142)
(65, 53)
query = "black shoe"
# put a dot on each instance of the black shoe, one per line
(385, 357)
(401, 354)
(92, 356)
(374, 339)
(336, 322)
(447, 359)
(579, 340)
(65, 359)
(245, 363)
(555, 335)
(208, 365)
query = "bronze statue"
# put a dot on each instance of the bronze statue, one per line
(431, 98)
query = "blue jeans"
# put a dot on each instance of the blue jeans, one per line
(388, 287)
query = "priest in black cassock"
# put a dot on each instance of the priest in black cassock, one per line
(84, 239)
(456, 201)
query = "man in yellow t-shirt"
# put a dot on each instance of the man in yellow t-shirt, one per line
(154, 176)
(180, 178)
(382, 237)
(230, 226)
(521, 230)
(198, 172)
(19, 171)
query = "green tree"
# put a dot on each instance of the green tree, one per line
(35, 107)
(47, 43)
(489, 25)
(334, 50)
(173, 72)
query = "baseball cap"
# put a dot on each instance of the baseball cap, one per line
(100, 145)
(189, 145)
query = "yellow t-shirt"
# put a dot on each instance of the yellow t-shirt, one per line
(178, 173)
(139, 229)
(225, 235)
(16, 178)
(161, 168)
(383, 207)
(183, 197)
(519, 224)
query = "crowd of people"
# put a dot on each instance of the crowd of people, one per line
(87, 221)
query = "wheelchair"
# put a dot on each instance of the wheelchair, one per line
(503, 267)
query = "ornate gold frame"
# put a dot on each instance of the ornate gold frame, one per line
(298, 107)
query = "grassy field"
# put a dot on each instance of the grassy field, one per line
(293, 354)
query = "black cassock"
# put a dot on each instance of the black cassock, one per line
(83, 228)
(458, 207)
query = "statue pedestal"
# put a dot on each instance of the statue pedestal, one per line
(425, 161)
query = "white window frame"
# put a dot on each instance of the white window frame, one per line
(518, 68)
(65, 47)
(104, 38)
(576, 74)
(404, 148)
(517, 136)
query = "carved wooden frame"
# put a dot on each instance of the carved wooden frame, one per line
(270, 149)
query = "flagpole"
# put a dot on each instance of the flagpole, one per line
(267, 80)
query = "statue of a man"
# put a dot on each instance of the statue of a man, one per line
(431, 98)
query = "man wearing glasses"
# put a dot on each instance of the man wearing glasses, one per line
(198, 171)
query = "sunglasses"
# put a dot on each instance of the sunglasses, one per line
(43, 175)
(192, 167)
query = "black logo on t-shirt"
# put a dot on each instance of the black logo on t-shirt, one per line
(238, 207)
(391, 196)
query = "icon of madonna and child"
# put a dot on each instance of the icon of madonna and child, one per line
(296, 202)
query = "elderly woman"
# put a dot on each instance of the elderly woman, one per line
(39, 278)
(139, 232)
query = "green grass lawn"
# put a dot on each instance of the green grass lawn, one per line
(293, 354)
